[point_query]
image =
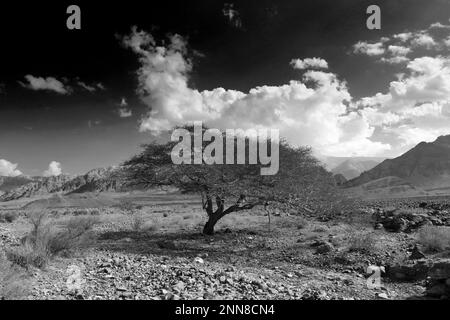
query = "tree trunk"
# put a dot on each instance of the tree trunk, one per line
(208, 229)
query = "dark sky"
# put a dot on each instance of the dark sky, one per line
(83, 130)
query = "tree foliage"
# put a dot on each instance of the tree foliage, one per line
(301, 182)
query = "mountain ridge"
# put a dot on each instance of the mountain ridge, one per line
(427, 165)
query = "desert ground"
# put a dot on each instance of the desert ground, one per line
(149, 245)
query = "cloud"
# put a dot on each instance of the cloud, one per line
(87, 87)
(49, 84)
(399, 50)
(124, 111)
(8, 169)
(370, 49)
(423, 40)
(54, 169)
(309, 63)
(311, 111)
(438, 25)
(416, 107)
(403, 37)
(232, 15)
(100, 86)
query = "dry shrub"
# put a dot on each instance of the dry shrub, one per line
(8, 217)
(47, 239)
(14, 283)
(126, 206)
(301, 223)
(137, 221)
(363, 242)
(434, 238)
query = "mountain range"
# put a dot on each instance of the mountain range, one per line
(427, 166)
(423, 170)
(97, 180)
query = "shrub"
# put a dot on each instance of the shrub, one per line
(302, 223)
(8, 217)
(48, 239)
(362, 242)
(14, 284)
(433, 238)
(126, 206)
(137, 221)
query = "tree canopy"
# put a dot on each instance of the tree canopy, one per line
(301, 182)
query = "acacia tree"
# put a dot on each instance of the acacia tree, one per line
(301, 182)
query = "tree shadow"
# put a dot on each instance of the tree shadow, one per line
(225, 245)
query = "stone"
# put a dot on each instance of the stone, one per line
(382, 295)
(416, 254)
(325, 247)
(440, 269)
(437, 290)
(199, 260)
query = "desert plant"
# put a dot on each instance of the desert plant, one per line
(363, 242)
(137, 221)
(47, 239)
(14, 283)
(126, 206)
(8, 216)
(434, 238)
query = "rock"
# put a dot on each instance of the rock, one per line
(440, 269)
(378, 226)
(416, 254)
(325, 247)
(437, 290)
(382, 295)
(180, 286)
(199, 260)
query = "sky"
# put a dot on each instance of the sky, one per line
(74, 100)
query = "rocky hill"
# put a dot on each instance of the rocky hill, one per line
(97, 180)
(427, 165)
(10, 183)
(352, 168)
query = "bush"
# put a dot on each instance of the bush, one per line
(137, 221)
(433, 238)
(126, 206)
(362, 242)
(14, 284)
(8, 216)
(302, 223)
(48, 239)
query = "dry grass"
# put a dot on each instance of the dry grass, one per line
(363, 242)
(14, 283)
(137, 221)
(47, 239)
(8, 217)
(434, 239)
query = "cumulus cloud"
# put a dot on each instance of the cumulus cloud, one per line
(309, 63)
(86, 86)
(416, 107)
(49, 84)
(8, 169)
(423, 40)
(232, 15)
(124, 111)
(309, 111)
(54, 169)
(370, 49)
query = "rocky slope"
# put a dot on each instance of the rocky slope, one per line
(427, 165)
